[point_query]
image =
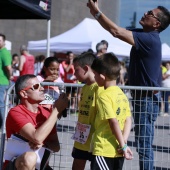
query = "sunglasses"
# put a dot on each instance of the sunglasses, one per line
(33, 87)
(150, 13)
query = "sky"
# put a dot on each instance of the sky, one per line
(129, 7)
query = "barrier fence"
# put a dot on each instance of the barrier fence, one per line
(62, 160)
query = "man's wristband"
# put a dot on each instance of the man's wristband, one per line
(98, 15)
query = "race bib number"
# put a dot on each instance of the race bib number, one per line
(48, 99)
(82, 132)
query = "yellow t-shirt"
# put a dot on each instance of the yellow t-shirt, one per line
(87, 113)
(110, 103)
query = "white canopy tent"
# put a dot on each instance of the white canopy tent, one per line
(85, 36)
(165, 52)
(82, 37)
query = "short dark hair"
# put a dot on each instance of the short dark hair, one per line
(108, 65)
(3, 36)
(21, 83)
(164, 17)
(85, 58)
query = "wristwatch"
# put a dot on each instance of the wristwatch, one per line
(98, 15)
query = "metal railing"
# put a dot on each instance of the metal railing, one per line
(66, 127)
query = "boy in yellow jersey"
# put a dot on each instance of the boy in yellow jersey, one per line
(113, 117)
(85, 127)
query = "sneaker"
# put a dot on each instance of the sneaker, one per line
(165, 114)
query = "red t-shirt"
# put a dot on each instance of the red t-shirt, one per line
(20, 116)
(28, 67)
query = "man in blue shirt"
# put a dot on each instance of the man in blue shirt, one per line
(144, 70)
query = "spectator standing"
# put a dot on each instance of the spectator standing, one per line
(38, 65)
(5, 74)
(32, 122)
(166, 83)
(144, 70)
(15, 64)
(123, 72)
(100, 49)
(69, 68)
(106, 44)
(26, 63)
(113, 117)
(70, 78)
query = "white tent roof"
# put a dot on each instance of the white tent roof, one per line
(81, 38)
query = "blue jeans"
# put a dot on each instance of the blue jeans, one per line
(3, 89)
(167, 94)
(145, 112)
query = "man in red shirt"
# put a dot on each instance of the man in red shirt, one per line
(26, 64)
(32, 122)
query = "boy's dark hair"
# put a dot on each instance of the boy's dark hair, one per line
(85, 58)
(3, 36)
(21, 83)
(47, 63)
(108, 65)
(164, 17)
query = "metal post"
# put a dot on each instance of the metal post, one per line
(48, 37)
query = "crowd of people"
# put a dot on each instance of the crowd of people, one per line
(104, 122)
